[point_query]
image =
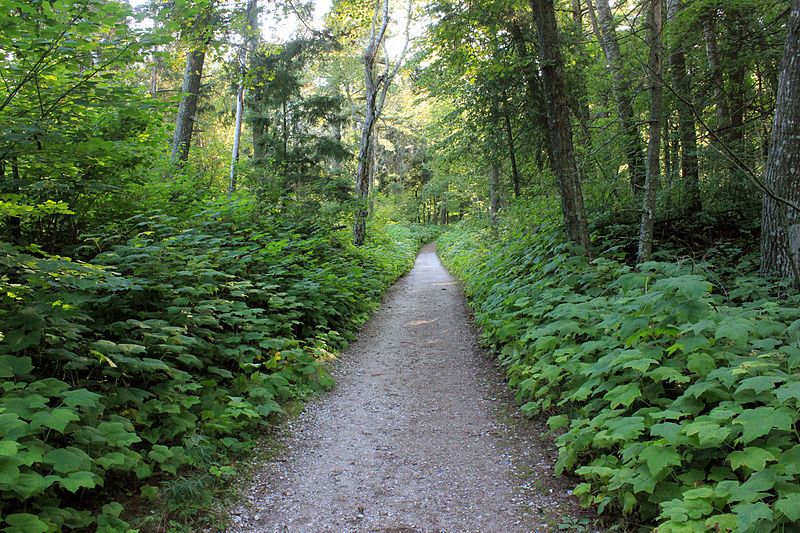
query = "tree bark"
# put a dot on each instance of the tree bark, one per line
(715, 73)
(372, 86)
(533, 83)
(690, 174)
(654, 76)
(622, 95)
(249, 46)
(780, 226)
(511, 150)
(562, 151)
(582, 113)
(187, 109)
(494, 190)
(237, 134)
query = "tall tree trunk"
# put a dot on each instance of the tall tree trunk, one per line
(494, 190)
(582, 113)
(187, 109)
(737, 94)
(511, 149)
(654, 76)
(715, 71)
(533, 85)
(12, 186)
(372, 86)
(154, 76)
(248, 46)
(237, 135)
(690, 173)
(780, 225)
(622, 95)
(562, 152)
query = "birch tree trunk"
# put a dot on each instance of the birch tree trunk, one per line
(248, 46)
(237, 135)
(622, 94)
(187, 109)
(780, 225)
(654, 76)
(690, 174)
(372, 86)
(562, 152)
(377, 88)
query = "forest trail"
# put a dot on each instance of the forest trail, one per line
(418, 435)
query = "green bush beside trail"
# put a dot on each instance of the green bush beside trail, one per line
(167, 353)
(674, 397)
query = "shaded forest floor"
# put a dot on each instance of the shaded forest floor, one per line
(419, 434)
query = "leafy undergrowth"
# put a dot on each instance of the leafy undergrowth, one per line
(676, 400)
(142, 372)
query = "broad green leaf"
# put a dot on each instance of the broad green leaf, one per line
(659, 458)
(623, 395)
(748, 515)
(789, 506)
(735, 329)
(761, 420)
(81, 397)
(557, 422)
(8, 448)
(57, 419)
(70, 459)
(752, 457)
(116, 434)
(788, 391)
(31, 484)
(721, 522)
(78, 480)
(26, 523)
(12, 365)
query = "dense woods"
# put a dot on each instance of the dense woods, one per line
(202, 201)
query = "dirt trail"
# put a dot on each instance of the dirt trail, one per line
(418, 434)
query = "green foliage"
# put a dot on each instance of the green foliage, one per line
(672, 399)
(165, 354)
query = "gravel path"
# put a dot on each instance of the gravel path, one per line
(418, 434)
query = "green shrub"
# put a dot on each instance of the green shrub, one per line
(672, 399)
(164, 354)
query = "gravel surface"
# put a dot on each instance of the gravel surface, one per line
(418, 434)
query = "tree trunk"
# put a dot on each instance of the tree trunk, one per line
(582, 113)
(690, 174)
(654, 24)
(533, 84)
(622, 95)
(237, 134)
(187, 109)
(494, 190)
(252, 14)
(154, 68)
(511, 150)
(780, 225)
(562, 152)
(372, 86)
(715, 70)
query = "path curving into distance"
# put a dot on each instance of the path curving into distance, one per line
(417, 435)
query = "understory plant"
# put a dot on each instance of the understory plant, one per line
(168, 353)
(676, 400)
